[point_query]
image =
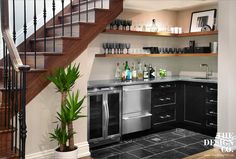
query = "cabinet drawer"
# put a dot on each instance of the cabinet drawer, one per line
(166, 85)
(163, 98)
(211, 109)
(211, 122)
(163, 114)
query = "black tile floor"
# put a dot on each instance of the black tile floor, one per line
(173, 144)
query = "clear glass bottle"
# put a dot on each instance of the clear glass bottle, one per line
(140, 71)
(134, 72)
(118, 72)
(154, 27)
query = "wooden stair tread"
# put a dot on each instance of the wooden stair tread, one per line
(83, 11)
(9, 154)
(30, 71)
(68, 24)
(42, 53)
(83, 2)
(6, 130)
(56, 38)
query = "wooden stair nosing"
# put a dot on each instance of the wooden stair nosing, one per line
(68, 24)
(56, 38)
(32, 70)
(42, 53)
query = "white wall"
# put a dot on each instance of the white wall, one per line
(41, 113)
(227, 65)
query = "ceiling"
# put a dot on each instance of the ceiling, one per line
(155, 5)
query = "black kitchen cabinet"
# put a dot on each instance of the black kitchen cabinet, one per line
(194, 103)
(163, 104)
(190, 105)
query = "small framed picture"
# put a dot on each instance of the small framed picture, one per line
(201, 19)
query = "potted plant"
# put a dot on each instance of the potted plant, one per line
(71, 106)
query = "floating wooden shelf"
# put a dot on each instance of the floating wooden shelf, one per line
(153, 55)
(160, 34)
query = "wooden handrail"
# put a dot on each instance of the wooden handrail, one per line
(13, 52)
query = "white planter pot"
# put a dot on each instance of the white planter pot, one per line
(66, 155)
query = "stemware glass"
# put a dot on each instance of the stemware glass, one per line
(117, 48)
(104, 47)
(112, 24)
(122, 47)
(125, 24)
(112, 46)
(118, 23)
(129, 23)
(109, 48)
(127, 46)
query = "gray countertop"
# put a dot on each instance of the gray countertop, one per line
(114, 83)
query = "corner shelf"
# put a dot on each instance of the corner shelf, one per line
(159, 34)
(155, 55)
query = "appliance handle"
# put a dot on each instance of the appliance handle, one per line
(138, 89)
(139, 116)
(107, 112)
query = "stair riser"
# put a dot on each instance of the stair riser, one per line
(4, 97)
(49, 45)
(84, 6)
(30, 60)
(5, 142)
(83, 17)
(4, 117)
(67, 31)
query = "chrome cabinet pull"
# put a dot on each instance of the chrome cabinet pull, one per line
(212, 101)
(162, 99)
(165, 117)
(139, 116)
(212, 124)
(168, 98)
(138, 89)
(212, 112)
(212, 89)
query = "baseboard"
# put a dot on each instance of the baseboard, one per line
(225, 143)
(48, 154)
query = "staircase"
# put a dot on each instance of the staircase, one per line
(24, 69)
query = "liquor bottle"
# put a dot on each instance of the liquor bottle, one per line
(145, 72)
(123, 74)
(118, 72)
(128, 75)
(140, 71)
(154, 26)
(152, 73)
(134, 72)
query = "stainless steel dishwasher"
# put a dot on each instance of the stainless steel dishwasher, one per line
(136, 108)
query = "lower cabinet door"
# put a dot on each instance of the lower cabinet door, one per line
(163, 114)
(194, 103)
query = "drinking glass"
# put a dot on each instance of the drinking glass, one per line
(117, 48)
(118, 23)
(104, 47)
(127, 46)
(112, 24)
(122, 46)
(124, 24)
(129, 23)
